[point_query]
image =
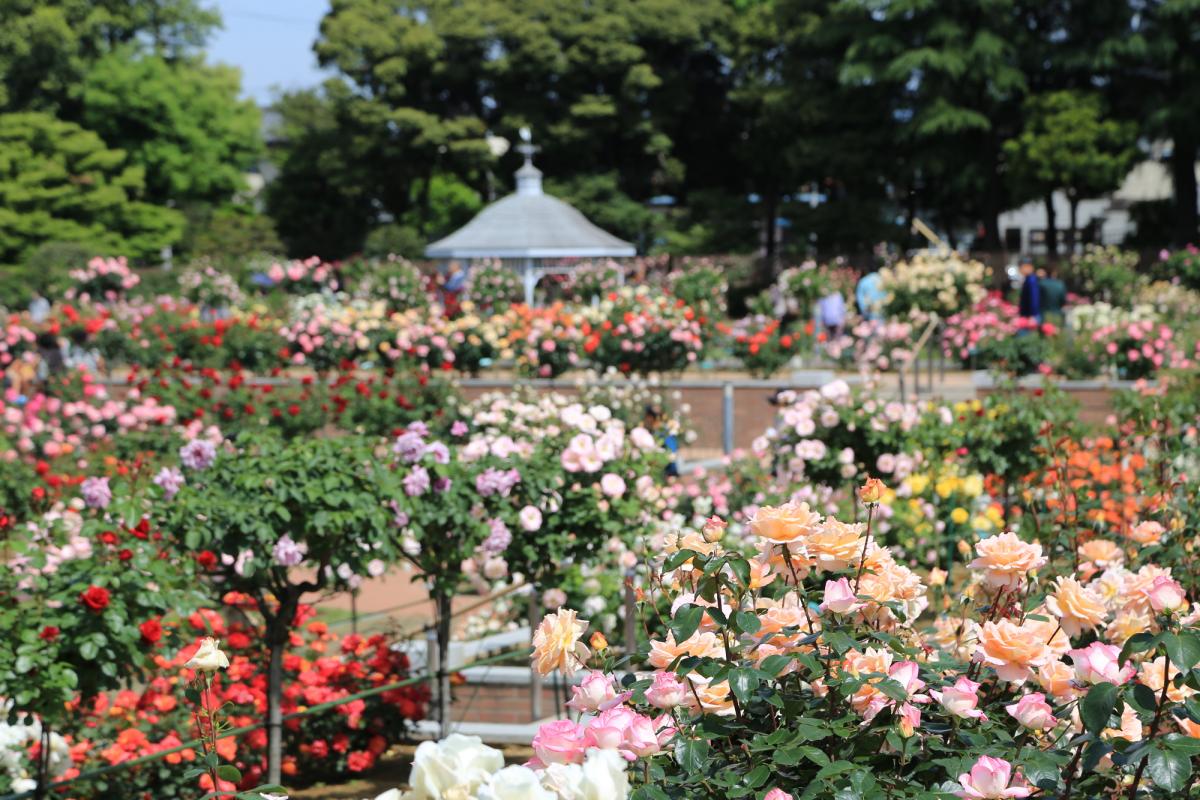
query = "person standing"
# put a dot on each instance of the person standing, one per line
(869, 296)
(1053, 294)
(1031, 293)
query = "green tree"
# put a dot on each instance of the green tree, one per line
(47, 47)
(180, 120)
(1159, 85)
(1069, 144)
(322, 199)
(59, 182)
(954, 70)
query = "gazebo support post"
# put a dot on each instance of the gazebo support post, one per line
(529, 278)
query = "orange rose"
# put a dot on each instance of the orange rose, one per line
(1006, 560)
(784, 524)
(872, 491)
(1101, 553)
(1151, 675)
(1012, 650)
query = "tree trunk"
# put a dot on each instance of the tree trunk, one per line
(1051, 227)
(278, 629)
(1074, 201)
(444, 612)
(770, 209)
(1183, 178)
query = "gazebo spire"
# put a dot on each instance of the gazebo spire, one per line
(529, 177)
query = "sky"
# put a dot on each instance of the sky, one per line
(271, 41)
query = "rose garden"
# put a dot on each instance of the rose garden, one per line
(979, 597)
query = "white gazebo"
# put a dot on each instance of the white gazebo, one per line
(530, 231)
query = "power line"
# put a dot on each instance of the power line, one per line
(308, 23)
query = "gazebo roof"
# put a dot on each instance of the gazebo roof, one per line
(529, 224)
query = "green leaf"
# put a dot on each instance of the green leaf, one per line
(1143, 698)
(1097, 705)
(678, 558)
(228, 772)
(1169, 769)
(773, 665)
(1138, 643)
(686, 620)
(692, 755)
(747, 621)
(1183, 649)
(743, 682)
(1182, 744)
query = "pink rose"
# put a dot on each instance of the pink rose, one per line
(839, 597)
(777, 794)
(961, 699)
(622, 729)
(1165, 594)
(1097, 663)
(612, 485)
(1033, 712)
(595, 693)
(667, 691)
(560, 742)
(992, 778)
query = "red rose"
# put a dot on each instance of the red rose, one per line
(152, 631)
(96, 598)
(108, 537)
(206, 559)
(49, 633)
(125, 554)
(359, 760)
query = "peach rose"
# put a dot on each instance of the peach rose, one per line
(1101, 553)
(784, 524)
(1012, 650)
(698, 644)
(1148, 532)
(556, 643)
(836, 545)
(1048, 630)
(1006, 560)
(1127, 624)
(1078, 609)
(1057, 677)
(1151, 675)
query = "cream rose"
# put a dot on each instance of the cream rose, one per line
(209, 657)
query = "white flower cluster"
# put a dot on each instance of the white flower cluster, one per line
(15, 741)
(943, 282)
(463, 766)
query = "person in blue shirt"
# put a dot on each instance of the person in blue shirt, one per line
(869, 296)
(1031, 293)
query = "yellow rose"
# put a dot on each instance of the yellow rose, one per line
(959, 515)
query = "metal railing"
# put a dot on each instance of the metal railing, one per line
(937, 355)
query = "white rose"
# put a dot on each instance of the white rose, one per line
(514, 783)
(600, 777)
(208, 658)
(456, 765)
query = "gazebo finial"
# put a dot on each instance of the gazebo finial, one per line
(529, 177)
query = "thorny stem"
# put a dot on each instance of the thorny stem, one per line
(862, 559)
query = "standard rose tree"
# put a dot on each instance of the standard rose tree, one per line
(280, 519)
(84, 593)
